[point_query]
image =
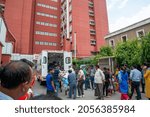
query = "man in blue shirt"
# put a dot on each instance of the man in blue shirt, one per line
(135, 77)
(50, 83)
(72, 84)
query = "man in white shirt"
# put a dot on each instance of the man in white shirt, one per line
(81, 78)
(99, 80)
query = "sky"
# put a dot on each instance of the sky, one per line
(122, 13)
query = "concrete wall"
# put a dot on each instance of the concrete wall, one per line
(131, 34)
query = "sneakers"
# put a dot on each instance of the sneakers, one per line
(108, 96)
(79, 96)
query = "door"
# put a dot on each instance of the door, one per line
(67, 60)
(44, 63)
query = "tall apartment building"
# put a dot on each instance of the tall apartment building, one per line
(72, 25)
(83, 26)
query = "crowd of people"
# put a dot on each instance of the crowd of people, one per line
(17, 80)
(102, 81)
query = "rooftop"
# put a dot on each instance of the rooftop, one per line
(133, 26)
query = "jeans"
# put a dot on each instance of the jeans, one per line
(92, 81)
(72, 90)
(57, 85)
(105, 88)
(87, 83)
(80, 87)
(143, 87)
(51, 93)
(136, 86)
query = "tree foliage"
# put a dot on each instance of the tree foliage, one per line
(128, 53)
(106, 51)
(145, 47)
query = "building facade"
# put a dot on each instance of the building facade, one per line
(131, 32)
(70, 25)
(83, 26)
(46, 25)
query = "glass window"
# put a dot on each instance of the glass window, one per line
(44, 60)
(67, 60)
(124, 38)
(112, 43)
(140, 34)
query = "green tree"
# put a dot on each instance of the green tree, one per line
(128, 53)
(145, 47)
(106, 51)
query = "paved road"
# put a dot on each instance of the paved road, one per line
(89, 94)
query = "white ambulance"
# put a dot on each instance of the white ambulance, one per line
(46, 58)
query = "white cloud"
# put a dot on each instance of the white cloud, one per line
(116, 3)
(123, 4)
(126, 21)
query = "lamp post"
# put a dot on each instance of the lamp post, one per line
(75, 44)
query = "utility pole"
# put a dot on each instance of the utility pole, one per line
(75, 45)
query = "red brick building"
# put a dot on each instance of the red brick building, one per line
(84, 24)
(46, 25)
(7, 40)
(69, 25)
(19, 18)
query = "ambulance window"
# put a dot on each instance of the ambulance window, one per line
(44, 60)
(68, 60)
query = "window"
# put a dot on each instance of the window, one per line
(45, 43)
(91, 13)
(140, 33)
(124, 38)
(91, 4)
(92, 22)
(47, 15)
(46, 24)
(44, 59)
(55, 0)
(37, 42)
(112, 43)
(67, 60)
(93, 42)
(92, 32)
(46, 6)
(46, 33)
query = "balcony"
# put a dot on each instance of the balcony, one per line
(93, 42)
(70, 29)
(70, 18)
(92, 32)
(91, 4)
(92, 22)
(91, 13)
